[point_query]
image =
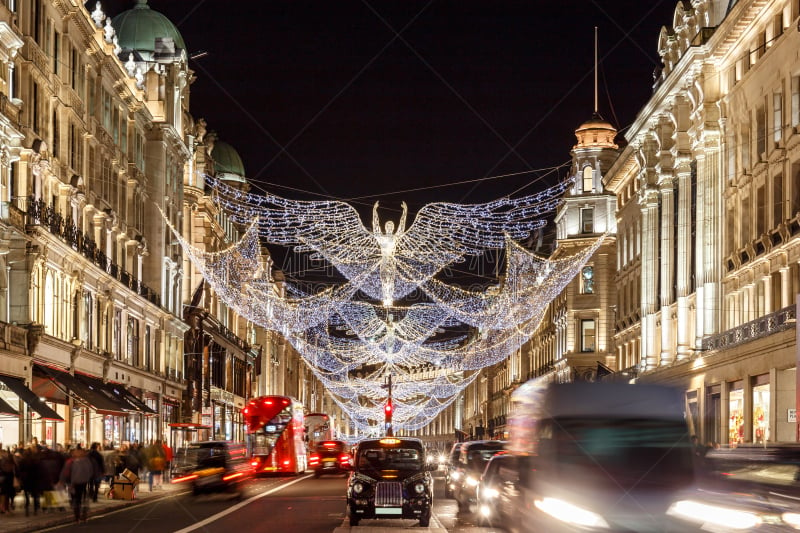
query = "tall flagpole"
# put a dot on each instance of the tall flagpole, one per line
(595, 69)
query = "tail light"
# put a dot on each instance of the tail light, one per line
(254, 463)
(344, 459)
(286, 462)
(313, 459)
(232, 476)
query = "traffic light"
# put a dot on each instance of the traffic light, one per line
(388, 408)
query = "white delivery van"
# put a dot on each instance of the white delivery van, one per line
(601, 457)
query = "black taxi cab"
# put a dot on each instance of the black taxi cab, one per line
(390, 478)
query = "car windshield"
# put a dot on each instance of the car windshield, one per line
(390, 459)
(624, 453)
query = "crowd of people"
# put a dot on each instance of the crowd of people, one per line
(57, 476)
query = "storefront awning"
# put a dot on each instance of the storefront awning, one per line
(6, 409)
(90, 395)
(17, 386)
(125, 396)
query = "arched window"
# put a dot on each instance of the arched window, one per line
(588, 179)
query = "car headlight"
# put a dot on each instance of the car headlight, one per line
(488, 493)
(442, 459)
(713, 515)
(358, 487)
(471, 481)
(419, 488)
(571, 514)
(455, 475)
(793, 519)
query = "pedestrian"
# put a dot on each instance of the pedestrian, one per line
(155, 463)
(99, 465)
(77, 472)
(168, 457)
(32, 477)
(8, 471)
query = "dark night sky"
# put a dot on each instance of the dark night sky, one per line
(323, 99)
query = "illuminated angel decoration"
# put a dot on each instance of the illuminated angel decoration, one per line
(441, 234)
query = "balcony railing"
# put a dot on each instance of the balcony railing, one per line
(759, 328)
(46, 216)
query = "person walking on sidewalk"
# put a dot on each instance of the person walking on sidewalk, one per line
(78, 471)
(99, 465)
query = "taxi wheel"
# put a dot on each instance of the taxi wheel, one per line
(317, 473)
(424, 521)
(354, 520)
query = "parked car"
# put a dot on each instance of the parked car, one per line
(390, 478)
(497, 492)
(213, 466)
(329, 457)
(451, 473)
(472, 461)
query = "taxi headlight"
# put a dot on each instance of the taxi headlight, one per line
(419, 488)
(358, 487)
(713, 515)
(472, 482)
(455, 475)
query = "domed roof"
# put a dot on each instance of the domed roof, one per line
(596, 133)
(227, 163)
(138, 28)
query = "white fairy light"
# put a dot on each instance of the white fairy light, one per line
(339, 334)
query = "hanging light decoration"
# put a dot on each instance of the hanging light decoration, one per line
(434, 348)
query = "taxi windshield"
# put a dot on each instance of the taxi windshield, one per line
(390, 459)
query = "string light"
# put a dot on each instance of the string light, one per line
(432, 349)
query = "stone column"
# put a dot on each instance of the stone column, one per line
(667, 269)
(683, 260)
(713, 210)
(649, 296)
(786, 287)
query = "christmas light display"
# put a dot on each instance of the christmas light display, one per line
(354, 334)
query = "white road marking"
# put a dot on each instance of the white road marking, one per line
(239, 505)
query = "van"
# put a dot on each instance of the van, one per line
(213, 466)
(601, 456)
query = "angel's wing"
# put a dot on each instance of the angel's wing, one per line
(443, 233)
(330, 228)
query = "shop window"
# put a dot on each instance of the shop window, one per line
(761, 397)
(736, 414)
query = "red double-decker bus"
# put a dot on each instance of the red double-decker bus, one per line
(275, 434)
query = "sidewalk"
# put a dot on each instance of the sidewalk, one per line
(17, 522)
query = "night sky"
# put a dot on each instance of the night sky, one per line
(323, 99)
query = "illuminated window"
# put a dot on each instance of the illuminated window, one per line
(588, 179)
(587, 335)
(587, 280)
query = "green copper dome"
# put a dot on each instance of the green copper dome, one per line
(227, 163)
(138, 28)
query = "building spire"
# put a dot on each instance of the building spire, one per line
(595, 69)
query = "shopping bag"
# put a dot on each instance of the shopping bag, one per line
(55, 499)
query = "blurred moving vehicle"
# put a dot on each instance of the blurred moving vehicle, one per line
(759, 483)
(390, 479)
(275, 434)
(605, 456)
(497, 492)
(472, 461)
(317, 429)
(329, 457)
(451, 473)
(213, 466)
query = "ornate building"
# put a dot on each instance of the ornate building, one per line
(107, 333)
(697, 282)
